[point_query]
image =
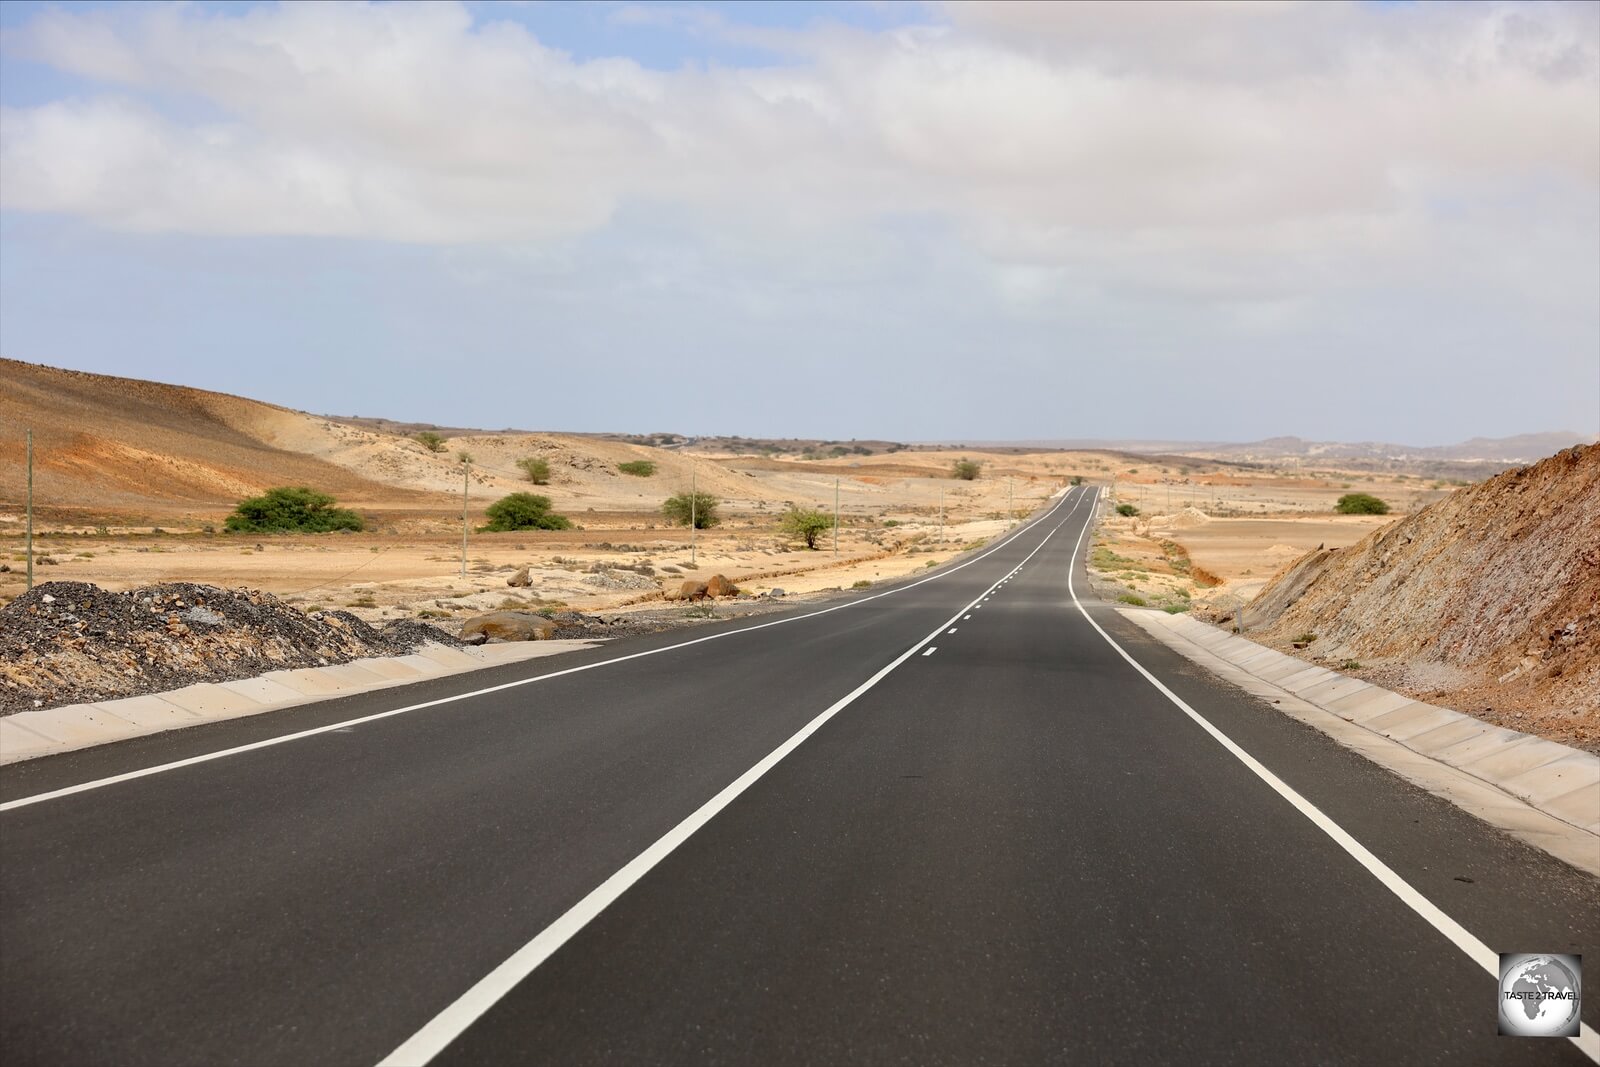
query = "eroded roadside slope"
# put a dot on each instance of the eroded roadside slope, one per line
(1488, 601)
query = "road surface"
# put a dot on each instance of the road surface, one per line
(973, 817)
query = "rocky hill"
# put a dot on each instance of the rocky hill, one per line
(1488, 600)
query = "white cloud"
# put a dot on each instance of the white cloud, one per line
(1225, 151)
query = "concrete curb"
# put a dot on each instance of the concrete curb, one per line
(1545, 793)
(31, 734)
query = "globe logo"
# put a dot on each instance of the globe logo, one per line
(1540, 994)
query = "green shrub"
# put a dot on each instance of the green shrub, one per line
(523, 511)
(1361, 504)
(965, 469)
(291, 509)
(639, 468)
(1127, 509)
(861, 584)
(1131, 598)
(1077, 479)
(804, 525)
(1175, 609)
(1350, 665)
(702, 506)
(431, 441)
(891, 522)
(537, 470)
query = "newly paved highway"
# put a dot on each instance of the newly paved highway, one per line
(949, 821)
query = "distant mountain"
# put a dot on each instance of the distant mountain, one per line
(1496, 452)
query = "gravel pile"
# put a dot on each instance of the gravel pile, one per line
(73, 642)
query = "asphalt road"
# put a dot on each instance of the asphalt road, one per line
(943, 822)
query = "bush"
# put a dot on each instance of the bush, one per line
(862, 584)
(702, 506)
(523, 511)
(1130, 598)
(537, 470)
(291, 509)
(1127, 509)
(429, 440)
(965, 469)
(1361, 504)
(639, 468)
(805, 525)
(1077, 479)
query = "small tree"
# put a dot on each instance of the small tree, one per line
(965, 469)
(429, 440)
(639, 468)
(463, 456)
(523, 511)
(805, 525)
(291, 509)
(703, 507)
(1361, 504)
(537, 470)
(1127, 510)
(1077, 479)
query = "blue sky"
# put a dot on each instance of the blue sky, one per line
(905, 221)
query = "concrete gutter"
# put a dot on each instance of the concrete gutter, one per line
(30, 734)
(1545, 793)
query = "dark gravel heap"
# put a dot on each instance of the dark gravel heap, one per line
(572, 625)
(73, 642)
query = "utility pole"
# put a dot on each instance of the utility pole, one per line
(30, 509)
(693, 503)
(466, 469)
(941, 514)
(1011, 506)
(836, 518)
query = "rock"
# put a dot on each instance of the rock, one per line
(509, 626)
(720, 586)
(521, 580)
(777, 592)
(5, 568)
(692, 590)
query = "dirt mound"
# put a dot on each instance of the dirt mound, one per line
(1496, 588)
(117, 444)
(73, 642)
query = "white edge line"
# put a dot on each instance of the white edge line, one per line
(1588, 1040)
(101, 783)
(466, 1009)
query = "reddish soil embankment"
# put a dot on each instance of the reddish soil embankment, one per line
(1488, 601)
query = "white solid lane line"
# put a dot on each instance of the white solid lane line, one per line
(450, 1023)
(101, 783)
(1588, 1040)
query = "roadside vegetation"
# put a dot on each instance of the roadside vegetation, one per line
(523, 511)
(1361, 504)
(965, 470)
(537, 470)
(639, 468)
(699, 508)
(805, 525)
(428, 439)
(1127, 510)
(291, 509)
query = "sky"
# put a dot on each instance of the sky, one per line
(951, 221)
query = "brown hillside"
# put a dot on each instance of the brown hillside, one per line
(103, 443)
(1489, 599)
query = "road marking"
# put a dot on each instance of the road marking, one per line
(965, 617)
(1588, 1040)
(162, 768)
(931, 651)
(450, 1023)
(951, 630)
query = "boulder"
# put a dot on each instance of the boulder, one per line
(692, 590)
(720, 586)
(509, 626)
(520, 580)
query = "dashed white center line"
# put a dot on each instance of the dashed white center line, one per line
(931, 651)
(965, 617)
(951, 630)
